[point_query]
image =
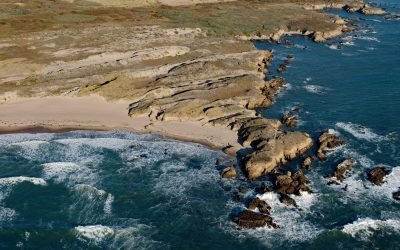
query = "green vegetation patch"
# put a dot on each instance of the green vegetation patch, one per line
(74, 18)
(246, 18)
(13, 11)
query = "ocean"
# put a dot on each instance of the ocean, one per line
(107, 190)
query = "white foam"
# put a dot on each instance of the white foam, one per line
(292, 225)
(108, 143)
(6, 214)
(288, 86)
(59, 171)
(90, 190)
(334, 47)
(96, 233)
(269, 197)
(9, 181)
(333, 132)
(364, 228)
(363, 160)
(391, 184)
(367, 38)
(34, 144)
(316, 89)
(347, 41)
(10, 139)
(69, 173)
(108, 204)
(359, 131)
(305, 200)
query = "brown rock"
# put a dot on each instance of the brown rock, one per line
(286, 199)
(219, 161)
(281, 68)
(230, 150)
(274, 148)
(377, 174)
(291, 184)
(341, 169)
(307, 163)
(365, 9)
(228, 173)
(262, 206)
(290, 120)
(250, 219)
(327, 141)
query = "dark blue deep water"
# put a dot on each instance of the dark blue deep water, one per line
(118, 190)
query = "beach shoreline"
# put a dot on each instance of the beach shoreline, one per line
(60, 114)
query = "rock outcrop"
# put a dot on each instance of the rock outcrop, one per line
(272, 148)
(262, 206)
(327, 141)
(353, 7)
(340, 171)
(283, 66)
(229, 173)
(287, 200)
(291, 183)
(290, 119)
(396, 195)
(365, 9)
(377, 175)
(307, 163)
(224, 96)
(250, 219)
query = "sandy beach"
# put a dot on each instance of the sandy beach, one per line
(62, 113)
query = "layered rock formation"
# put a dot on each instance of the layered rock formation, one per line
(213, 91)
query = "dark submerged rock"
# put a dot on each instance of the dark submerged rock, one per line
(286, 199)
(250, 219)
(396, 195)
(262, 188)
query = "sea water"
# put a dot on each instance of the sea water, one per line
(86, 189)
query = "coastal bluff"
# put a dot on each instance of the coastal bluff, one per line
(173, 63)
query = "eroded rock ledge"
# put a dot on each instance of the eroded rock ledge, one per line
(225, 91)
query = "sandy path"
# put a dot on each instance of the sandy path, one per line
(96, 113)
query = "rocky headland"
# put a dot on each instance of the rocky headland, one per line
(181, 65)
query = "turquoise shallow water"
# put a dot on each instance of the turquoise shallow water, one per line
(82, 190)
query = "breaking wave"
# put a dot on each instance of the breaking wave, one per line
(359, 131)
(316, 89)
(366, 227)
